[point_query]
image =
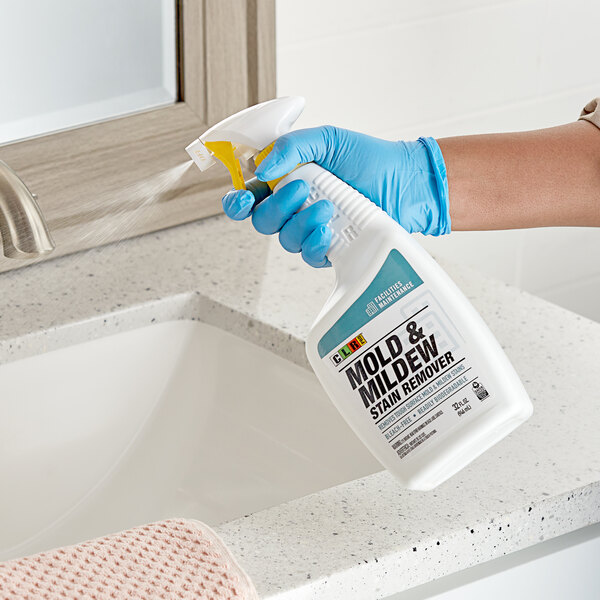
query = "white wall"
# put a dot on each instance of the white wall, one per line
(404, 68)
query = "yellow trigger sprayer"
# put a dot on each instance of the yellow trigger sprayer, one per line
(247, 134)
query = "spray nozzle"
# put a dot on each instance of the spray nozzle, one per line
(244, 135)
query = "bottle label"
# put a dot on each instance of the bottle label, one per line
(397, 357)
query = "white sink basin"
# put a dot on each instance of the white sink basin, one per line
(175, 419)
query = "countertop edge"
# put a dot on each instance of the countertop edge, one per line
(372, 576)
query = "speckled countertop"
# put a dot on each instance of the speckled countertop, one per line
(367, 538)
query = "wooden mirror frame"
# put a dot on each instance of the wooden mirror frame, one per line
(85, 177)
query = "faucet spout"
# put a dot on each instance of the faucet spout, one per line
(24, 230)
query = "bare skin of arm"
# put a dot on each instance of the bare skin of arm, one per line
(544, 178)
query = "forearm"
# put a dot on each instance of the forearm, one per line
(542, 178)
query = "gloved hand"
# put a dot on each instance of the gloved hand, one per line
(406, 179)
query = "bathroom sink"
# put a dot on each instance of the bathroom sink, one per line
(177, 419)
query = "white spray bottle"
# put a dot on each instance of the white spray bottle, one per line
(401, 352)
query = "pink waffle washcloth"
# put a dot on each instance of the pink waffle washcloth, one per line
(177, 558)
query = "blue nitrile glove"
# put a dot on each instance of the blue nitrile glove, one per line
(406, 179)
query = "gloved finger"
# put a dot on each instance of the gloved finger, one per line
(238, 204)
(301, 225)
(302, 146)
(315, 247)
(271, 214)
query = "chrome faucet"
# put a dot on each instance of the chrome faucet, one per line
(24, 230)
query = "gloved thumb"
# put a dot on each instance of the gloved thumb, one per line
(291, 149)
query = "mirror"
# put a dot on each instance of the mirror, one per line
(67, 63)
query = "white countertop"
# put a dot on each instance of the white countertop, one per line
(367, 538)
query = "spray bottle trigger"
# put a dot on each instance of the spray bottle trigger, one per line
(224, 151)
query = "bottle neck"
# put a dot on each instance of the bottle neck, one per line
(352, 211)
(347, 225)
(348, 257)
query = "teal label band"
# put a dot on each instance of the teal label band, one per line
(395, 279)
